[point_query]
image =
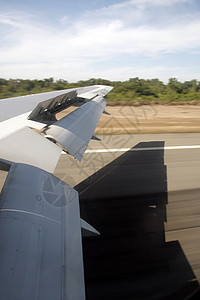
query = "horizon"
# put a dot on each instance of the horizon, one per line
(79, 80)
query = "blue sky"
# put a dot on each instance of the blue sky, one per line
(116, 40)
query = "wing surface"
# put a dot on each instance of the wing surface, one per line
(40, 237)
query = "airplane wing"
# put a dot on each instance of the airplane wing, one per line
(20, 144)
(40, 225)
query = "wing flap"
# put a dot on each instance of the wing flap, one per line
(74, 131)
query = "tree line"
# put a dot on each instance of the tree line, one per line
(135, 90)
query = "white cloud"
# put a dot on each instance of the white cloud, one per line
(32, 49)
(156, 2)
(65, 20)
(138, 11)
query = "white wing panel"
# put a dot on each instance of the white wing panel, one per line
(27, 146)
(10, 126)
(100, 90)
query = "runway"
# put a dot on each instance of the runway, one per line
(146, 205)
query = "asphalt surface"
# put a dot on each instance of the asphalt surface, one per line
(146, 205)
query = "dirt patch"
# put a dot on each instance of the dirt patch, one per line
(148, 119)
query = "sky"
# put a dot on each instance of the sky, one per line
(110, 39)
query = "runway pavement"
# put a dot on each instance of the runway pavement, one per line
(142, 193)
(146, 204)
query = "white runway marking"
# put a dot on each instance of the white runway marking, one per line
(142, 149)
